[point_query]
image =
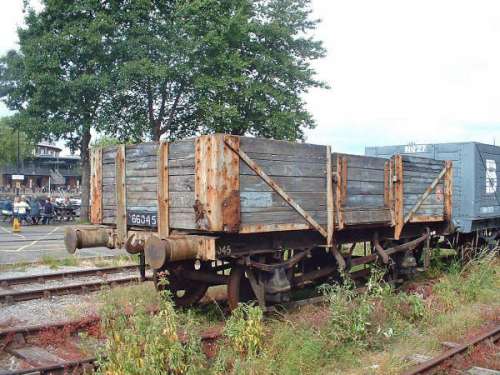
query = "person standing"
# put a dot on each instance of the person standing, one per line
(21, 209)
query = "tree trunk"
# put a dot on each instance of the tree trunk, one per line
(156, 130)
(85, 163)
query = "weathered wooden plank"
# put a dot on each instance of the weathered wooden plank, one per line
(181, 199)
(182, 220)
(287, 158)
(144, 195)
(281, 217)
(182, 149)
(420, 160)
(141, 151)
(163, 191)
(121, 197)
(260, 145)
(96, 186)
(361, 217)
(149, 187)
(289, 184)
(362, 174)
(286, 169)
(360, 161)
(363, 187)
(262, 228)
(365, 201)
(266, 199)
(142, 163)
(413, 188)
(181, 183)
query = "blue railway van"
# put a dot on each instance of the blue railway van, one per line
(476, 182)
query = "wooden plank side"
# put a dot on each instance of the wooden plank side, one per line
(121, 197)
(271, 200)
(296, 150)
(286, 168)
(96, 187)
(274, 185)
(163, 193)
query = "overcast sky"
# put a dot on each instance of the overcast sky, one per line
(400, 71)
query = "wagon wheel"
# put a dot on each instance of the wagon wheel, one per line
(238, 287)
(184, 292)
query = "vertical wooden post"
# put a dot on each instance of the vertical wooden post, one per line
(329, 197)
(96, 186)
(217, 183)
(448, 191)
(121, 196)
(398, 196)
(340, 189)
(163, 191)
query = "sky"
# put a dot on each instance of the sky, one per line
(400, 71)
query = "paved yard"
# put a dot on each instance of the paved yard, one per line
(37, 241)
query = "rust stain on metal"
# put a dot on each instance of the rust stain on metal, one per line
(448, 191)
(217, 184)
(231, 206)
(163, 191)
(398, 195)
(121, 196)
(96, 186)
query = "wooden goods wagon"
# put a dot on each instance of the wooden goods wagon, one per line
(262, 216)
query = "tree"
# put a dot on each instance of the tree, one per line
(10, 136)
(56, 80)
(191, 66)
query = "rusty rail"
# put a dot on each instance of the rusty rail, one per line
(7, 282)
(423, 367)
(26, 295)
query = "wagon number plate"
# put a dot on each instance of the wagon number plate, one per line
(142, 219)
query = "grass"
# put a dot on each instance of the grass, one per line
(356, 332)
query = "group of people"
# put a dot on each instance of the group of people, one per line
(32, 212)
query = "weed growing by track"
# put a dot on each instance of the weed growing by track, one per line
(357, 331)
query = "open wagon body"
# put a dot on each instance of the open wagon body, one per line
(263, 216)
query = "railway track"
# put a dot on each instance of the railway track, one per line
(493, 334)
(75, 326)
(10, 294)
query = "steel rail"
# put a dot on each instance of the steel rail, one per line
(36, 329)
(433, 362)
(26, 295)
(72, 365)
(67, 366)
(6, 282)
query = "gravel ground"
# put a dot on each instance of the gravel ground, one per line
(51, 310)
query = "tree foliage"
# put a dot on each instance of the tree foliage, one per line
(56, 80)
(9, 142)
(200, 66)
